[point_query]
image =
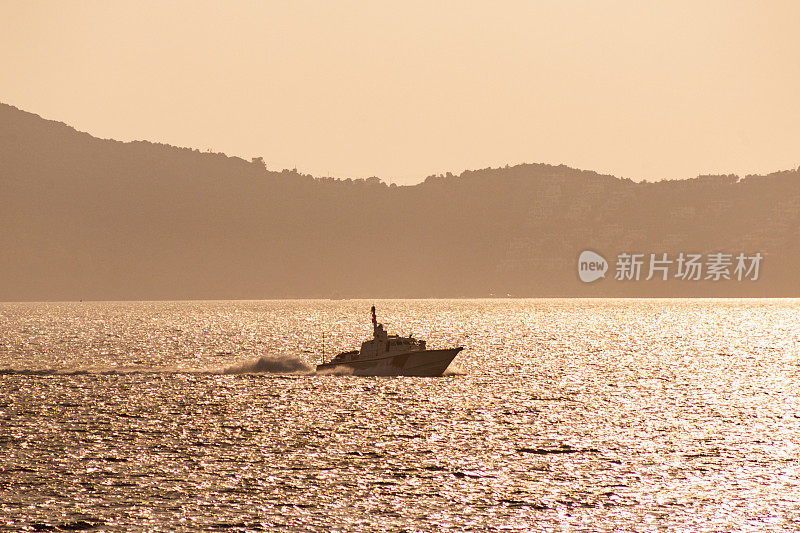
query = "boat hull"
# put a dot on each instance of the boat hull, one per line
(416, 363)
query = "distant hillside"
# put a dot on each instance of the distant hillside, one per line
(85, 218)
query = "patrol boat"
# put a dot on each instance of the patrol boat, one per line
(391, 355)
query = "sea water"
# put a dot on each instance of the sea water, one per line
(559, 415)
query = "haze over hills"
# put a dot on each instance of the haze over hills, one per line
(87, 218)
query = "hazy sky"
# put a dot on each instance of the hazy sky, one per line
(639, 89)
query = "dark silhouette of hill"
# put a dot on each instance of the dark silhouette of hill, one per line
(87, 218)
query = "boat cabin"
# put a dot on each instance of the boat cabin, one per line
(381, 345)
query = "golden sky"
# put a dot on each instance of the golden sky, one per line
(640, 89)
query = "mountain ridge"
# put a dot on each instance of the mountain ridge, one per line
(90, 218)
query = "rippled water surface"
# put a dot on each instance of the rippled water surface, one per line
(564, 415)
